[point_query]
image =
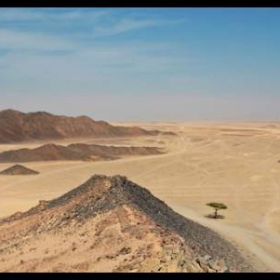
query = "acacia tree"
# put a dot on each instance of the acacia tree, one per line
(217, 206)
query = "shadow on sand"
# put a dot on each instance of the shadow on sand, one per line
(212, 216)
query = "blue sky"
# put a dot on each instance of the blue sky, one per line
(142, 63)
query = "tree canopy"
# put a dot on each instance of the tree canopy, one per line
(218, 206)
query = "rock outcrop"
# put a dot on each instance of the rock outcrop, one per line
(75, 152)
(111, 224)
(16, 126)
(18, 170)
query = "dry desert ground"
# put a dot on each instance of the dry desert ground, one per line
(233, 163)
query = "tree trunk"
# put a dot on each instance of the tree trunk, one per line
(216, 214)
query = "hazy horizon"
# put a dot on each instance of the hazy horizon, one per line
(142, 63)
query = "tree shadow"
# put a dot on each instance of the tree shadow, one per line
(212, 216)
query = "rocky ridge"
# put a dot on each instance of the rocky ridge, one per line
(86, 152)
(16, 126)
(112, 224)
(18, 170)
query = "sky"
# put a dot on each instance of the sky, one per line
(121, 64)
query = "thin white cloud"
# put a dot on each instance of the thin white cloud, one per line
(103, 68)
(9, 14)
(105, 58)
(135, 56)
(130, 24)
(88, 64)
(46, 14)
(19, 40)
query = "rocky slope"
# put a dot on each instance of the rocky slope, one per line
(18, 170)
(111, 224)
(74, 152)
(16, 126)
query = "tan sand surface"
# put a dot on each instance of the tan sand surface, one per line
(233, 163)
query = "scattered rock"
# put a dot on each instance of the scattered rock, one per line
(125, 250)
(18, 170)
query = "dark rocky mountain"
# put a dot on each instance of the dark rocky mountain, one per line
(86, 152)
(16, 126)
(111, 224)
(18, 170)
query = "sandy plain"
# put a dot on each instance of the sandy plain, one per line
(233, 163)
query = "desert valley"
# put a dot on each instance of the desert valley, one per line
(139, 139)
(132, 196)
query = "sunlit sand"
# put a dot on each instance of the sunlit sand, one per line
(234, 163)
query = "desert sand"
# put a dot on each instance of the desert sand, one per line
(233, 163)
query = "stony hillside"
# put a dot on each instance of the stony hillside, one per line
(75, 152)
(16, 126)
(111, 224)
(18, 170)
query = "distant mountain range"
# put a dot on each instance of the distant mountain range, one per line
(16, 126)
(86, 152)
